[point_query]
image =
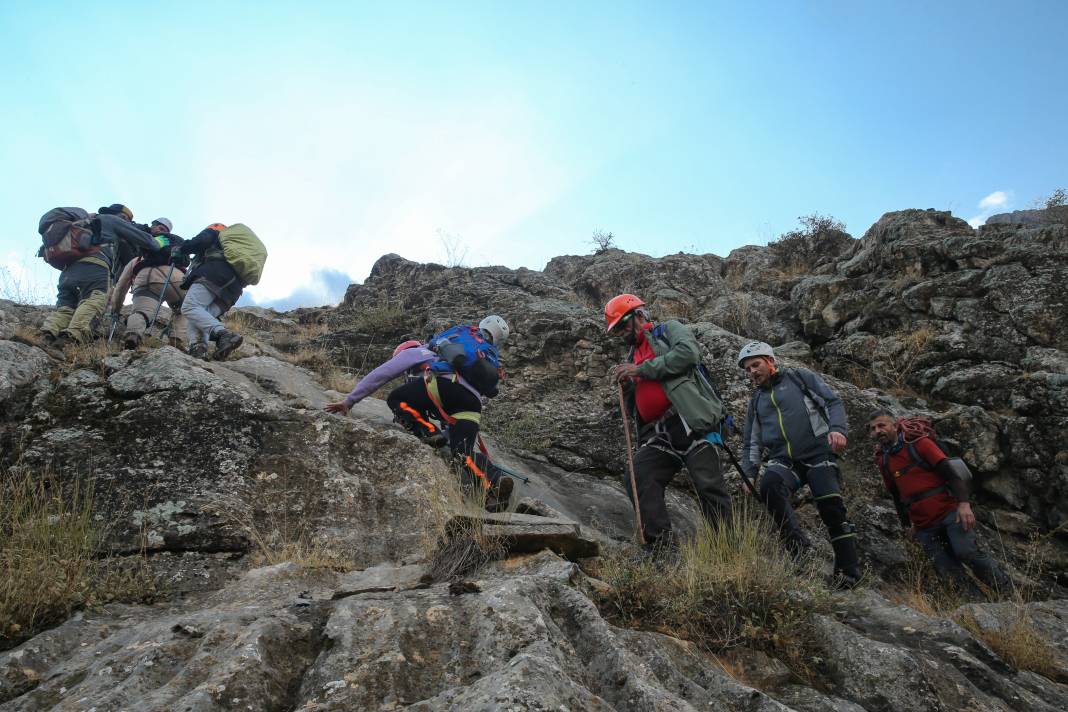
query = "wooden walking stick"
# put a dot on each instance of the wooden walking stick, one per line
(630, 468)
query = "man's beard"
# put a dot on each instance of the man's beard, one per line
(629, 338)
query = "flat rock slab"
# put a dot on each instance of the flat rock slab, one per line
(528, 533)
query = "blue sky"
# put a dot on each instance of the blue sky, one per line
(344, 131)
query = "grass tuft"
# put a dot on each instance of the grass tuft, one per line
(730, 586)
(1019, 644)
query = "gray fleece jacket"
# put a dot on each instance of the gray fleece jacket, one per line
(788, 424)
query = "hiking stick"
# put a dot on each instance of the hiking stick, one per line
(505, 470)
(162, 296)
(737, 465)
(114, 324)
(630, 468)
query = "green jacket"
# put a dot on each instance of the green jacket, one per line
(678, 356)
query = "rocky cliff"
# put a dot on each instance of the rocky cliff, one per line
(296, 556)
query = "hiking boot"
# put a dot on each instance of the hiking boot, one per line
(47, 338)
(844, 581)
(435, 440)
(500, 494)
(199, 350)
(226, 343)
(176, 343)
(61, 341)
(131, 341)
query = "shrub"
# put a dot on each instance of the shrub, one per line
(602, 241)
(731, 586)
(802, 248)
(1018, 643)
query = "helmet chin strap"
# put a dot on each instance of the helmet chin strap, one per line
(772, 370)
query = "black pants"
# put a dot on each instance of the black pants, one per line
(782, 478)
(663, 453)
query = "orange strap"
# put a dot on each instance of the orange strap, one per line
(418, 416)
(479, 473)
(432, 393)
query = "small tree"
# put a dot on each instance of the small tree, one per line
(602, 241)
(455, 248)
(1058, 198)
(803, 246)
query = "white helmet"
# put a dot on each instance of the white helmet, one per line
(496, 328)
(164, 222)
(755, 348)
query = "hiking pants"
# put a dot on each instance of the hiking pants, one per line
(782, 478)
(948, 546)
(665, 449)
(147, 286)
(413, 408)
(82, 297)
(202, 309)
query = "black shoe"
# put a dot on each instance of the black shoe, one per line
(48, 338)
(226, 343)
(435, 440)
(131, 341)
(199, 350)
(61, 341)
(500, 494)
(844, 580)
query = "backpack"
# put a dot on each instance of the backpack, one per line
(244, 251)
(65, 236)
(463, 349)
(726, 423)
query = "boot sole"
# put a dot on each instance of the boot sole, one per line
(221, 354)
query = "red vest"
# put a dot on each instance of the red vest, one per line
(912, 479)
(649, 396)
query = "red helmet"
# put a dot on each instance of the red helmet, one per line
(411, 343)
(619, 307)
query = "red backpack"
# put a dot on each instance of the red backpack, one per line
(66, 237)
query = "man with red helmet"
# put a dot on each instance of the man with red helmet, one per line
(675, 407)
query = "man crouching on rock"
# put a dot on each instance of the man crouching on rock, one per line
(932, 498)
(675, 407)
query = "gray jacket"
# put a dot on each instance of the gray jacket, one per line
(790, 424)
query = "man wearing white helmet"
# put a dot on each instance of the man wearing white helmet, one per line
(460, 368)
(796, 427)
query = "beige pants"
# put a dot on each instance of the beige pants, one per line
(147, 286)
(77, 321)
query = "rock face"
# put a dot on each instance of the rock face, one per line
(207, 467)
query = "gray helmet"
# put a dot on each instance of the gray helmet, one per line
(755, 348)
(164, 222)
(496, 328)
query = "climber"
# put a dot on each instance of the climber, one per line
(675, 408)
(932, 495)
(147, 275)
(89, 249)
(448, 379)
(211, 287)
(796, 425)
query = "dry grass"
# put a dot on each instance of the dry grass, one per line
(1019, 644)
(384, 317)
(731, 586)
(317, 360)
(48, 546)
(454, 538)
(524, 431)
(921, 589)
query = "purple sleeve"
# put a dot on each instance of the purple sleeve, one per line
(409, 358)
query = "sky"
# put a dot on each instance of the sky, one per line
(507, 133)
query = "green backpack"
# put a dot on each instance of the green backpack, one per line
(244, 251)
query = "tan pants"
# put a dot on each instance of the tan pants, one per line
(147, 286)
(77, 321)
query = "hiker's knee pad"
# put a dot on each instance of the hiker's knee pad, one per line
(777, 480)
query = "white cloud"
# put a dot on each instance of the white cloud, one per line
(999, 200)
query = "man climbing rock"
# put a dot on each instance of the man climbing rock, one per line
(89, 249)
(149, 274)
(796, 427)
(675, 408)
(448, 379)
(212, 287)
(932, 495)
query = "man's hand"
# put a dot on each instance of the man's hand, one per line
(339, 407)
(624, 372)
(837, 442)
(965, 517)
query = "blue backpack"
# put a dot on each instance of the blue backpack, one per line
(462, 349)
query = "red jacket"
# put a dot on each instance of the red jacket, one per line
(907, 480)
